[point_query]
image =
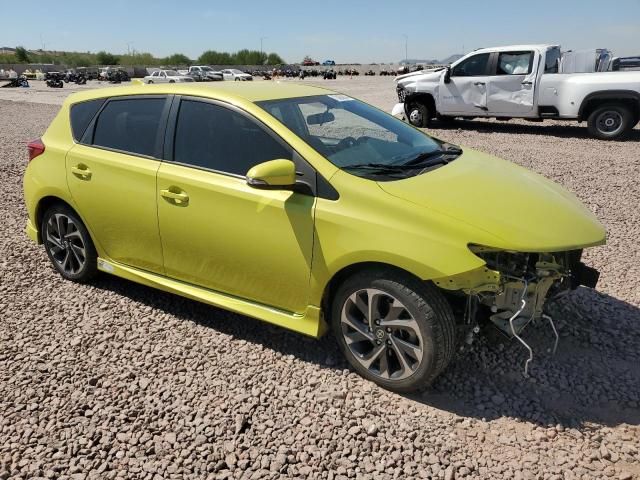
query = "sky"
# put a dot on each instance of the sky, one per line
(345, 31)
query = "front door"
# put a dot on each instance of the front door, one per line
(466, 93)
(112, 178)
(512, 84)
(218, 232)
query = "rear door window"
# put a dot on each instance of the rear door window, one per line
(130, 125)
(82, 114)
(515, 63)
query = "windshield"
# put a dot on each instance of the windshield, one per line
(206, 69)
(353, 135)
(237, 71)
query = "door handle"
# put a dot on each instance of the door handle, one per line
(81, 171)
(477, 84)
(527, 83)
(180, 197)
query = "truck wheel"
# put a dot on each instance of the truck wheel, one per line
(418, 115)
(610, 121)
(394, 329)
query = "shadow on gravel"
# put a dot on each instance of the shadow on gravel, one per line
(570, 130)
(594, 376)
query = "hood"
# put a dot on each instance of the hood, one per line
(424, 75)
(523, 210)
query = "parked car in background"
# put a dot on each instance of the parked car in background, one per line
(204, 73)
(522, 81)
(398, 242)
(236, 75)
(328, 63)
(166, 76)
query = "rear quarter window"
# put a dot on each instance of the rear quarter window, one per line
(130, 125)
(82, 114)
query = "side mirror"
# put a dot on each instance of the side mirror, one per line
(274, 174)
(447, 74)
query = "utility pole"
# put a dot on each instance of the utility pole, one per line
(406, 49)
(261, 51)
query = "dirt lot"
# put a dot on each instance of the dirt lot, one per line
(116, 380)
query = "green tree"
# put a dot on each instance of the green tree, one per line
(274, 59)
(211, 57)
(177, 59)
(104, 58)
(22, 56)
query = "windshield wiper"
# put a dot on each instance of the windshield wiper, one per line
(379, 167)
(421, 158)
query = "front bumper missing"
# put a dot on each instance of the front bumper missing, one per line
(515, 301)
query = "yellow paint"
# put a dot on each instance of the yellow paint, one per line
(274, 173)
(270, 254)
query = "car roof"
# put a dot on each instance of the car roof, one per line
(250, 91)
(541, 46)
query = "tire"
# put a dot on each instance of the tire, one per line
(68, 244)
(610, 121)
(149, 82)
(418, 115)
(237, 79)
(421, 329)
(172, 81)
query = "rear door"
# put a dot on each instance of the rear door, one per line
(111, 173)
(512, 83)
(466, 93)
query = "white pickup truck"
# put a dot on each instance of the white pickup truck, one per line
(521, 81)
(204, 73)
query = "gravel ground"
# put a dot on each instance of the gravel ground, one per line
(116, 380)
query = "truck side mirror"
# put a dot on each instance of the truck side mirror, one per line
(447, 74)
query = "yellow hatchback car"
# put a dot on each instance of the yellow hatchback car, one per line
(305, 208)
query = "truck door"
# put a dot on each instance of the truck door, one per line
(512, 83)
(466, 92)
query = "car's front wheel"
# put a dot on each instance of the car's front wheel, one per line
(393, 329)
(610, 121)
(68, 244)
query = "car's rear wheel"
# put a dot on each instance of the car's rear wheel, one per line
(418, 115)
(68, 244)
(393, 329)
(610, 121)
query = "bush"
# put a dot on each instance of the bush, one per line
(177, 59)
(104, 58)
(22, 55)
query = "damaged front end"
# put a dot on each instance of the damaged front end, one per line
(513, 288)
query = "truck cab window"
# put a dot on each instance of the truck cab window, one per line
(552, 60)
(472, 67)
(515, 63)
